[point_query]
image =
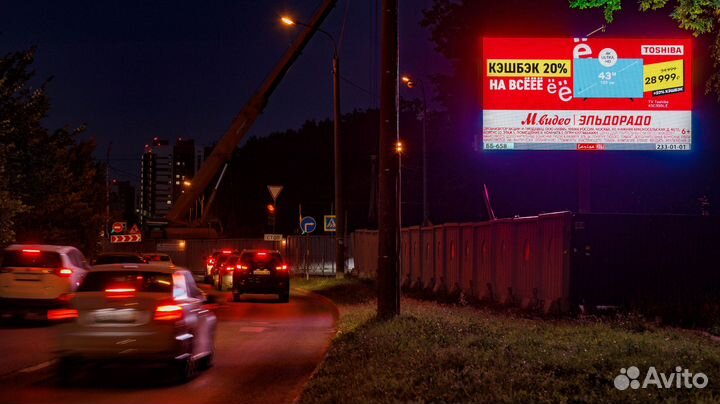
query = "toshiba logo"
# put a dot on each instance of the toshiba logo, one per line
(662, 50)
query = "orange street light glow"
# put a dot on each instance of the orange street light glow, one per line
(287, 21)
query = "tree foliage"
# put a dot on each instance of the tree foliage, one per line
(697, 16)
(50, 182)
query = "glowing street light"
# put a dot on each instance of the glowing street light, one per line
(287, 21)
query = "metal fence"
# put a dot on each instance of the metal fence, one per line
(315, 254)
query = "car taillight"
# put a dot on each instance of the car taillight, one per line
(119, 293)
(64, 272)
(241, 267)
(31, 251)
(281, 268)
(168, 312)
(62, 314)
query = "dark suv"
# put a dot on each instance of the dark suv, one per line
(261, 271)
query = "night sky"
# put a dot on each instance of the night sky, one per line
(133, 70)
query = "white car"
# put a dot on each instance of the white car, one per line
(143, 313)
(35, 278)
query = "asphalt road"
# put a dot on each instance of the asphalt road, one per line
(264, 353)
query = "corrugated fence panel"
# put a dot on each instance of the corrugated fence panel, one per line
(416, 261)
(504, 247)
(555, 260)
(428, 252)
(484, 268)
(468, 278)
(452, 257)
(439, 264)
(525, 280)
(405, 259)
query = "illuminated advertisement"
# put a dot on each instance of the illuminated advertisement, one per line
(586, 94)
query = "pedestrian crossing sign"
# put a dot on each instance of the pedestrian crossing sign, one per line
(330, 223)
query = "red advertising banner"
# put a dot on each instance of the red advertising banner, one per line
(586, 94)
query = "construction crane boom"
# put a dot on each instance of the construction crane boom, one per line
(224, 149)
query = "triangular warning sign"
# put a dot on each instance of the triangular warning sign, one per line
(134, 230)
(274, 190)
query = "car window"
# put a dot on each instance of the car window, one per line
(260, 258)
(104, 259)
(76, 258)
(157, 257)
(180, 290)
(192, 286)
(32, 258)
(141, 281)
(232, 260)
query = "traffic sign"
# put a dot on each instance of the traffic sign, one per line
(272, 237)
(126, 238)
(135, 230)
(308, 224)
(330, 223)
(119, 227)
(274, 191)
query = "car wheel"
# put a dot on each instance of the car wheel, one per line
(284, 297)
(67, 370)
(186, 369)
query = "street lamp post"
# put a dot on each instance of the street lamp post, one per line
(410, 83)
(339, 200)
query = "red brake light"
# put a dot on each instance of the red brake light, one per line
(169, 312)
(262, 254)
(120, 292)
(31, 251)
(62, 314)
(281, 268)
(241, 267)
(226, 251)
(64, 272)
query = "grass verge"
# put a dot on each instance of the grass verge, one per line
(449, 354)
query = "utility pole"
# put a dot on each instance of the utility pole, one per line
(388, 255)
(106, 230)
(339, 200)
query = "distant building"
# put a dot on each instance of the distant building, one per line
(164, 172)
(122, 201)
(187, 159)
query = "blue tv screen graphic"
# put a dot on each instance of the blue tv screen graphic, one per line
(622, 80)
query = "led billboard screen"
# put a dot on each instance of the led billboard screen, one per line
(586, 94)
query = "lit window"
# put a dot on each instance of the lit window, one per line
(169, 202)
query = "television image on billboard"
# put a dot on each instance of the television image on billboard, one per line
(594, 80)
(586, 94)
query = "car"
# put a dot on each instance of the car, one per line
(158, 258)
(261, 272)
(136, 313)
(212, 259)
(118, 258)
(219, 261)
(224, 274)
(35, 278)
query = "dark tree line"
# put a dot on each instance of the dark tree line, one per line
(51, 188)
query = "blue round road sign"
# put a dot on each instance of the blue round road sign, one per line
(308, 224)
